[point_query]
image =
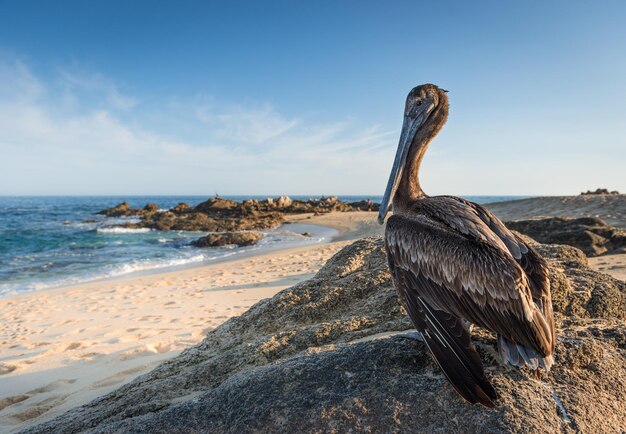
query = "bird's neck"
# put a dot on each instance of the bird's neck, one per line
(410, 189)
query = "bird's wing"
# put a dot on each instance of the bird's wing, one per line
(475, 220)
(448, 339)
(471, 219)
(467, 277)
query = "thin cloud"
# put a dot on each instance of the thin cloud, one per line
(79, 134)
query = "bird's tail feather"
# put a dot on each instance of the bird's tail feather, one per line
(520, 356)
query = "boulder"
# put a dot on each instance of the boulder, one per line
(590, 234)
(216, 204)
(365, 205)
(181, 208)
(151, 207)
(124, 210)
(283, 201)
(328, 355)
(228, 238)
(120, 210)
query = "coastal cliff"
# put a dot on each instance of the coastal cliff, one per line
(328, 355)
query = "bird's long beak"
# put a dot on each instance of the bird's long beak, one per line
(409, 129)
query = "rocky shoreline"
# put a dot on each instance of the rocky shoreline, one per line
(326, 356)
(223, 215)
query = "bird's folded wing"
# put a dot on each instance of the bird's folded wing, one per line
(448, 339)
(472, 219)
(464, 276)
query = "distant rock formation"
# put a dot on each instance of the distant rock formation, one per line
(325, 356)
(120, 210)
(223, 215)
(228, 238)
(590, 234)
(599, 191)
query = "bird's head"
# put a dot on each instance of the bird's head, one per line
(421, 103)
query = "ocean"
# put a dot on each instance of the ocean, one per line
(45, 241)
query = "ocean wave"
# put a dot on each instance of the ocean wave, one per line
(118, 230)
(134, 266)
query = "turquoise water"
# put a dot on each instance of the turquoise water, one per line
(45, 243)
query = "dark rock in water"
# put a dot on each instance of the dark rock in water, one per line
(590, 234)
(124, 210)
(306, 234)
(180, 208)
(151, 208)
(599, 191)
(228, 238)
(324, 356)
(120, 210)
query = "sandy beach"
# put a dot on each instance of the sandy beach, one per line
(64, 347)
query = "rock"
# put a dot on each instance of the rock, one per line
(365, 205)
(228, 238)
(590, 234)
(283, 201)
(222, 215)
(599, 191)
(180, 208)
(124, 210)
(215, 204)
(306, 234)
(325, 356)
(120, 210)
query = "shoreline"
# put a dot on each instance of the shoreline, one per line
(243, 253)
(62, 347)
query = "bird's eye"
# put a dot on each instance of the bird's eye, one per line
(419, 102)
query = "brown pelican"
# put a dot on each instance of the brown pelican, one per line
(454, 263)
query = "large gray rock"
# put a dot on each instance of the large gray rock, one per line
(325, 356)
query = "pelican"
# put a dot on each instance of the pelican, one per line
(453, 263)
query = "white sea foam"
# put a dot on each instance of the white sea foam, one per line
(118, 230)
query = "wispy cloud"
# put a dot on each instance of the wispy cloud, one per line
(79, 133)
(78, 84)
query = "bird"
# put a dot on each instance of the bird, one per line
(454, 264)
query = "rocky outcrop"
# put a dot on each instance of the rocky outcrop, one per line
(326, 356)
(223, 215)
(590, 234)
(599, 191)
(124, 210)
(120, 210)
(240, 239)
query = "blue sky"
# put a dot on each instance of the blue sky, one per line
(122, 97)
